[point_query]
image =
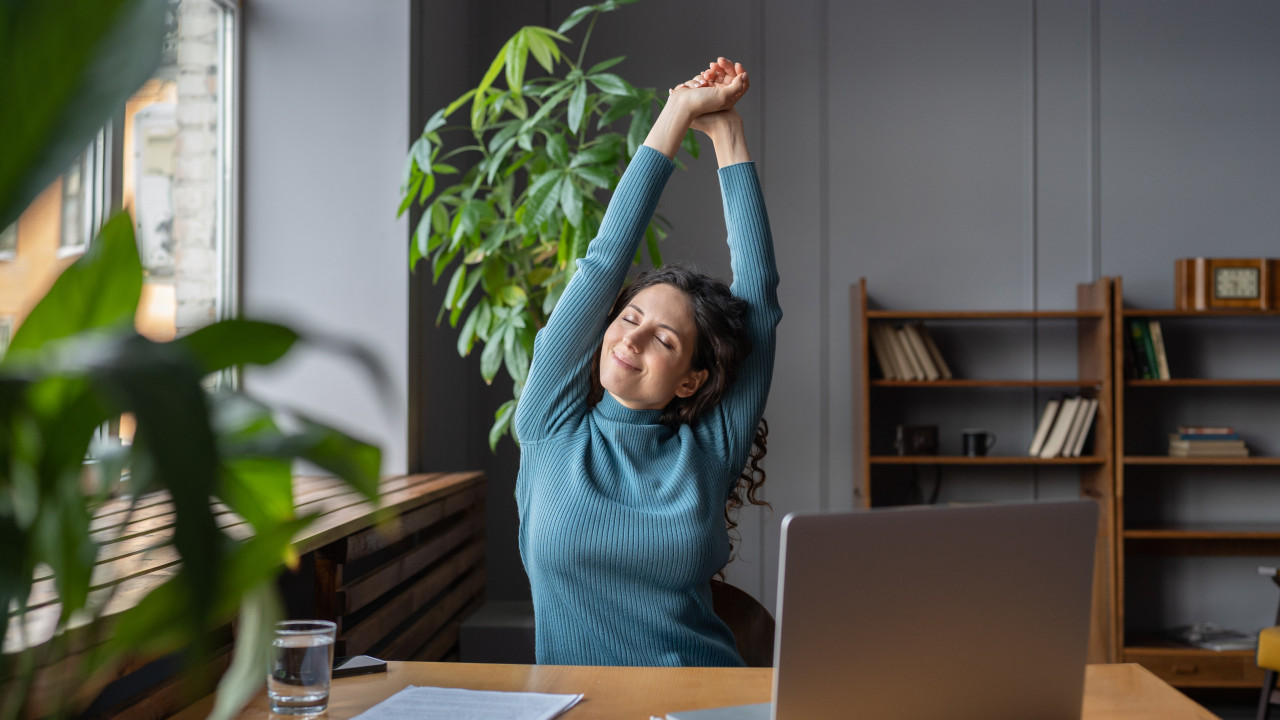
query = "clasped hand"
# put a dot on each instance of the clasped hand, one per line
(711, 95)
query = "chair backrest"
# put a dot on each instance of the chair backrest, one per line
(751, 623)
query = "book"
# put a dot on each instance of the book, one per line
(1090, 412)
(1069, 442)
(1194, 453)
(883, 355)
(1142, 353)
(905, 370)
(1157, 342)
(1061, 426)
(1206, 430)
(917, 372)
(912, 333)
(935, 354)
(1046, 423)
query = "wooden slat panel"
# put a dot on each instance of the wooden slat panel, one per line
(170, 696)
(366, 542)
(333, 526)
(373, 585)
(374, 628)
(426, 626)
(413, 491)
(445, 643)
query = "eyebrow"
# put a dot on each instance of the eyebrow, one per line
(638, 309)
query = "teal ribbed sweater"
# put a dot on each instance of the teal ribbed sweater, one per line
(621, 517)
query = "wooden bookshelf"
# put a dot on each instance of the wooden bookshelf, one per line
(1093, 320)
(1177, 664)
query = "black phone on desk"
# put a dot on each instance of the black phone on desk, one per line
(357, 665)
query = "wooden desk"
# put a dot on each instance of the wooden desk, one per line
(431, 555)
(1112, 692)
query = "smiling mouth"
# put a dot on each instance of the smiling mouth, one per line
(623, 363)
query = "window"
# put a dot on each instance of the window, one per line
(168, 159)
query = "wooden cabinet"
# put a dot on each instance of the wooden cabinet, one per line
(1202, 512)
(882, 475)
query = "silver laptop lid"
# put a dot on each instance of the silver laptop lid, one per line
(935, 612)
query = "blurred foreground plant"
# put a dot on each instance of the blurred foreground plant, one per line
(76, 363)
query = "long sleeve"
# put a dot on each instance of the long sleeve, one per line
(557, 387)
(731, 426)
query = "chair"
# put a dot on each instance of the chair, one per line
(1269, 657)
(751, 623)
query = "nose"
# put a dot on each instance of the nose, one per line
(632, 338)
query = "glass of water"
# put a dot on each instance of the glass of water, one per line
(301, 663)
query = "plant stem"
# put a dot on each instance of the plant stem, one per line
(582, 51)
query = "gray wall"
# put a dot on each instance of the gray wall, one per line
(326, 114)
(982, 155)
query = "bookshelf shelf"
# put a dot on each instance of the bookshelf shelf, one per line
(1133, 460)
(1202, 383)
(884, 403)
(1207, 531)
(1145, 481)
(987, 460)
(985, 315)
(986, 383)
(1206, 314)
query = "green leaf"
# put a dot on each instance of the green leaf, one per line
(501, 421)
(595, 155)
(491, 359)
(575, 17)
(467, 335)
(577, 104)
(478, 101)
(455, 286)
(462, 100)
(541, 197)
(517, 358)
(597, 176)
(444, 169)
(428, 187)
(517, 58)
(67, 67)
(610, 83)
(571, 202)
(542, 43)
(605, 65)
(99, 290)
(238, 342)
(259, 611)
(435, 122)
(641, 121)
(421, 150)
(622, 107)
(558, 150)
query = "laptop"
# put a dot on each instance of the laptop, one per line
(931, 612)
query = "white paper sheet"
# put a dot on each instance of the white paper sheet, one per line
(432, 703)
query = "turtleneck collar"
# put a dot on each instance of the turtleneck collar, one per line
(611, 409)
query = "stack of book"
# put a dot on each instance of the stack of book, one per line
(1145, 357)
(1064, 427)
(1197, 442)
(907, 352)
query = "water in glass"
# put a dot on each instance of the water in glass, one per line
(300, 671)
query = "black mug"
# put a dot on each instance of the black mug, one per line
(916, 440)
(976, 443)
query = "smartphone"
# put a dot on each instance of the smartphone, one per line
(357, 665)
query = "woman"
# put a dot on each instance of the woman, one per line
(633, 428)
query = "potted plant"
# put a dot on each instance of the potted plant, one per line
(76, 362)
(509, 229)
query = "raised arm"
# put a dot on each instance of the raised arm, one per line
(731, 426)
(556, 391)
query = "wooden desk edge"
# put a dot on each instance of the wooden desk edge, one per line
(1121, 691)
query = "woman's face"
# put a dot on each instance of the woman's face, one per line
(646, 358)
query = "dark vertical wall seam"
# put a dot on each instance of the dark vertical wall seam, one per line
(824, 256)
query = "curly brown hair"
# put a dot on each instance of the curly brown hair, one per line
(722, 345)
